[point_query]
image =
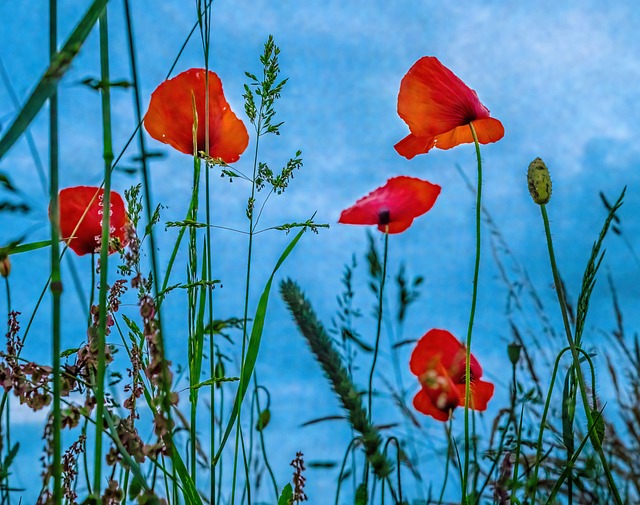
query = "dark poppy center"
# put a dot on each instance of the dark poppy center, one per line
(384, 217)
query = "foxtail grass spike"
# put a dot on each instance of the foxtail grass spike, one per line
(331, 363)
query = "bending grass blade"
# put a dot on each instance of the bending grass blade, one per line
(46, 87)
(254, 345)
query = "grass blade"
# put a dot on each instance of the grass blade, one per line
(254, 344)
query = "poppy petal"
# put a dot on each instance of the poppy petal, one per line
(488, 130)
(395, 204)
(170, 116)
(423, 403)
(411, 145)
(481, 393)
(81, 212)
(433, 100)
(437, 105)
(395, 226)
(435, 346)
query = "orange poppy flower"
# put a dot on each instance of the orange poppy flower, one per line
(394, 205)
(170, 116)
(439, 363)
(85, 237)
(438, 108)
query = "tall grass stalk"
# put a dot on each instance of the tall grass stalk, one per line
(56, 282)
(104, 250)
(245, 312)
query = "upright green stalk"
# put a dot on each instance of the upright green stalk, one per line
(380, 298)
(56, 282)
(104, 250)
(245, 316)
(474, 296)
(204, 14)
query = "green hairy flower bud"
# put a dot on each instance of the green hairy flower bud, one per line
(539, 182)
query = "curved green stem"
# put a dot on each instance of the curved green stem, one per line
(472, 313)
(574, 352)
(398, 468)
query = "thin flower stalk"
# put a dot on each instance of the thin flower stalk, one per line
(474, 296)
(379, 322)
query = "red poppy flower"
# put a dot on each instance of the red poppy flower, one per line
(394, 205)
(170, 116)
(439, 363)
(438, 108)
(84, 234)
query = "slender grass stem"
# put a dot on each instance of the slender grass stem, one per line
(204, 14)
(474, 296)
(245, 316)
(379, 324)
(574, 353)
(56, 281)
(104, 251)
(220, 466)
(7, 495)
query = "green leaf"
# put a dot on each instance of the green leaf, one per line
(188, 487)
(286, 498)
(49, 81)
(14, 248)
(254, 345)
(6, 182)
(215, 381)
(69, 352)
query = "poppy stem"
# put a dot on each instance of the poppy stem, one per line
(472, 313)
(597, 445)
(378, 330)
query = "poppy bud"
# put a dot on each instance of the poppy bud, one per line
(263, 420)
(5, 266)
(539, 182)
(513, 350)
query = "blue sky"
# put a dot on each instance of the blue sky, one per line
(561, 78)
